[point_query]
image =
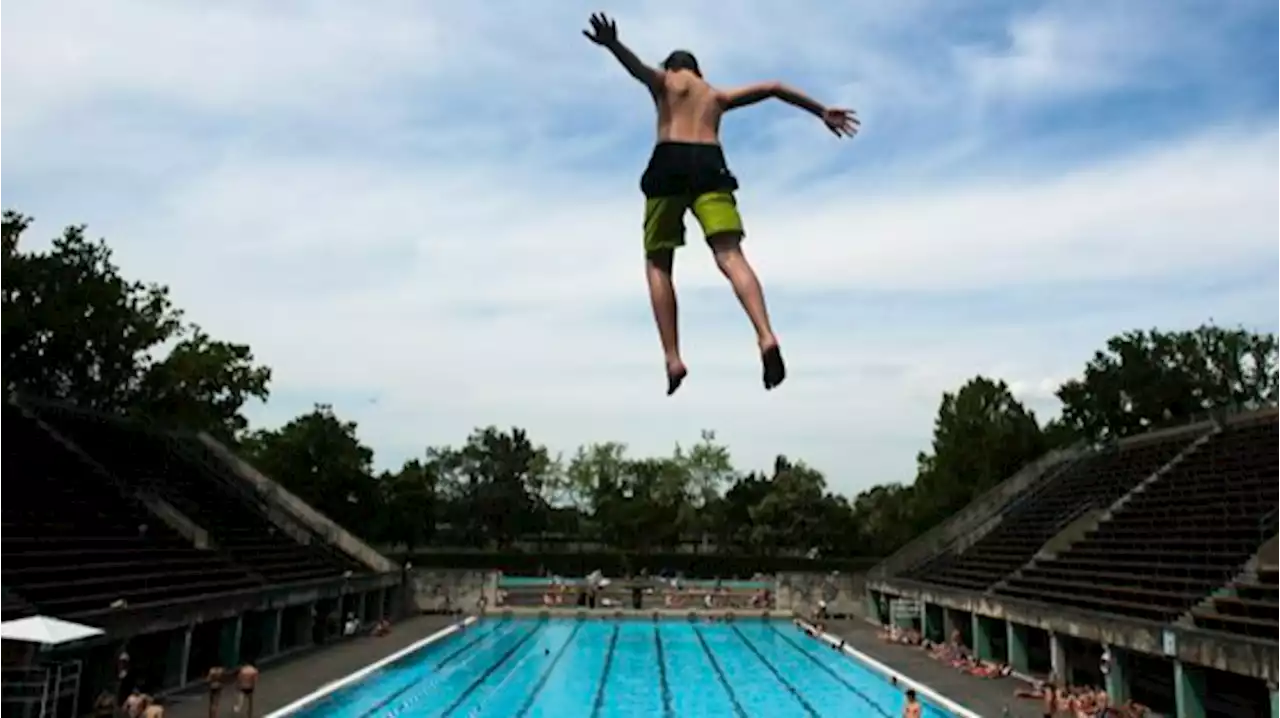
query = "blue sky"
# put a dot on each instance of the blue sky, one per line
(428, 214)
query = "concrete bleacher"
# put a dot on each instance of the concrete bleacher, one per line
(150, 460)
(161, 542)
(1177, 540)
(1248, 607)
(1161, 550)
(73, 542)
(1089, 483)
(14, 607)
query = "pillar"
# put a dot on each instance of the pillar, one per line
(937, 623)
(177, 658)
(981, 640)
(1275, 701)
(1058, 657)
(271, 623)
(1188, 690)
(305, 624)
(900, 617)
(1016, 639)
(360, 607)
(1118, 675)
(376, 604)
(229, 641)
(873, 609)
(924, 620)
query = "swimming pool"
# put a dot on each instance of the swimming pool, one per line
(610, 668)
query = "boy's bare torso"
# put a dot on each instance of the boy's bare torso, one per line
(689, 109)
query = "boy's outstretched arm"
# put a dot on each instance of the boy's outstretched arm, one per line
(840, 121)
(604, 32)
(650, 76)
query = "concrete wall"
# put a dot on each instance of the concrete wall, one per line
(800, 592)
(297, 510)
(972, 522)
(445, 590)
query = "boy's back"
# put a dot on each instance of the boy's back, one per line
(689, 109)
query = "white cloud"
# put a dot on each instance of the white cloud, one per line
(436, 205)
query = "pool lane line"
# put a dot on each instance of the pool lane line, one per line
(738, 710)
(479, 681)
(598, 704)
(795, 693)
(469, 644)
(433, 675)
(329, 690)
(667, 710)
(546, 674)
(511, 672)
(831, 672)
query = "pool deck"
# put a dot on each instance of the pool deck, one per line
(292, 678)
(984, 696)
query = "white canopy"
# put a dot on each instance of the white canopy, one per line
(46, 630)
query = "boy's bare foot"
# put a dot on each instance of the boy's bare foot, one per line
(676, 372)
(775, 370)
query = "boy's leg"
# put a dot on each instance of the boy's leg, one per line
(663, 233)
(718, 214)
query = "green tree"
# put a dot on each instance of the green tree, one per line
(1143, 380)
(319, 457)
(643, 510)
(705, 470)
(76, 330)
(788, 516)
(730, 515)
(409, 501)
(203, 384)
(494, 485)
(981, 436)
(884, 517)
(594, 476)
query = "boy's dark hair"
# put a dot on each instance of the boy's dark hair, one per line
(911, 694)
(682, 60)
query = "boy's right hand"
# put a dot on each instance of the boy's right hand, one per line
(604, 30)
(842, 123)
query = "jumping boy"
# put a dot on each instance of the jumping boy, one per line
(688, 171)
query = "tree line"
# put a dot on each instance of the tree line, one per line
(77, 330)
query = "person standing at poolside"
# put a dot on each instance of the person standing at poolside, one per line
(688, 171)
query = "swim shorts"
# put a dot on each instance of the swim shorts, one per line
(684, 176)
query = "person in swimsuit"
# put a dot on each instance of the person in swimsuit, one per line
(912, 707)
(152, 708)
(688, 171)
(246, 681)
(217, 676)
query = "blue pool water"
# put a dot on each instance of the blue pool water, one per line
(611, 668)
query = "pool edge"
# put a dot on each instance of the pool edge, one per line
(934, 697)
(358, 675)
